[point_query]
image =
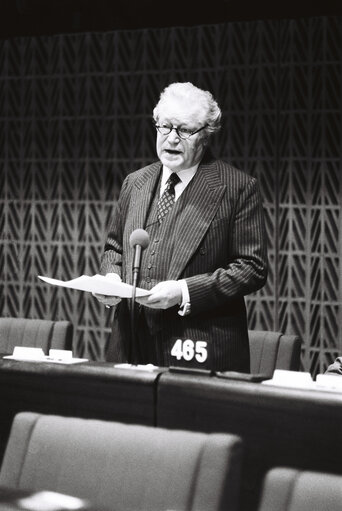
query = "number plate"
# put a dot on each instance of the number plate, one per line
(189, 351)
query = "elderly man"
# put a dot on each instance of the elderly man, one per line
(207, 245)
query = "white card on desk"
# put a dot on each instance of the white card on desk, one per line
(296, 379)
(65, 355)
(139, 367)
(329, 382)
(99, 284)
(50, 501)
(29, 354)
(25, 353)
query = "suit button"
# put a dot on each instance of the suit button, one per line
(202, 250)
(148, 279)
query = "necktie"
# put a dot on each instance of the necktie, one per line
(167, 200)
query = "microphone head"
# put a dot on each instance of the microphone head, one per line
(139, 237)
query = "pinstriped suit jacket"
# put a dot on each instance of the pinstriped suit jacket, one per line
(221, 252)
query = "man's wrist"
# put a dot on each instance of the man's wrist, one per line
(185, 306)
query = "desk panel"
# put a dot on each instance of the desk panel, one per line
(279, 426)
(89, 390)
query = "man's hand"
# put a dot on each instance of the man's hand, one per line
(163, 296)
(109, 301)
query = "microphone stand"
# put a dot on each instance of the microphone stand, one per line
(134, 348)
(138, 240)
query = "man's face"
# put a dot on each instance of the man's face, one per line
(174, 152)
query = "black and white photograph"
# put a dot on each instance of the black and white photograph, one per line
(170, 255)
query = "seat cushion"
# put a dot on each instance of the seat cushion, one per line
(287, 489)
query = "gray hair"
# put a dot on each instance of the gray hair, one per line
(188, 91)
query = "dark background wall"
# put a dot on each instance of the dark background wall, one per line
(47, 17)
(75, 118)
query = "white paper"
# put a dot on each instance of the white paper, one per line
(47, 359)
(140, 367)
(28, 354)
(100, 284)
(329, 381)
(295, 379)
(60, 354)
(50, 501)
(303, 380)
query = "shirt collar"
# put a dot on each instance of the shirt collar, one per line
(185, 175)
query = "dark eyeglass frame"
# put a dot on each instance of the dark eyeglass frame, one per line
(180, 133)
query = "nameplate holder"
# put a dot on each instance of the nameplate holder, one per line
(235, 375)
(329, 382)
(51, 501)
(25, 353)
(60, 355)
(191, 370)
(29, 354)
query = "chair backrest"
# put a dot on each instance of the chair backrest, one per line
(287, 489)
(273, 350)
(35, 333)
(123, 466)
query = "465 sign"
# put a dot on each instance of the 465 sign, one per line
(188, 350)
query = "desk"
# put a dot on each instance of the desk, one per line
(279, 426)
(90, 390)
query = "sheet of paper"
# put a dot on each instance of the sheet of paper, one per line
(140, 367)
(100, 284)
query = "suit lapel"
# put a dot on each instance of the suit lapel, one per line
(202, 198)
(143, 193)
(141, 197)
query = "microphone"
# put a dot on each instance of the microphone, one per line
(139, 240)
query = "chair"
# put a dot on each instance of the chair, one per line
(123, 466)
(273, 350)
(287, 489)
(35, 333)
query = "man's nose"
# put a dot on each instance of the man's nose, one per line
(173, 136)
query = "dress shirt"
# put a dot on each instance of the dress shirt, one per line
(185, 177)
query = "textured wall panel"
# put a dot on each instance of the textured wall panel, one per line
(75, 118)
(310, 186)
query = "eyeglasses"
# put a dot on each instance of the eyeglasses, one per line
(183, 133)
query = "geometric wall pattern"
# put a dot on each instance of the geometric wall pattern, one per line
(75, 118)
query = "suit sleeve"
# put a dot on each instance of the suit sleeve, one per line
(246, 268)
(111, 260)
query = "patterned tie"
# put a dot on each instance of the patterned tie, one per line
(167, 200)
